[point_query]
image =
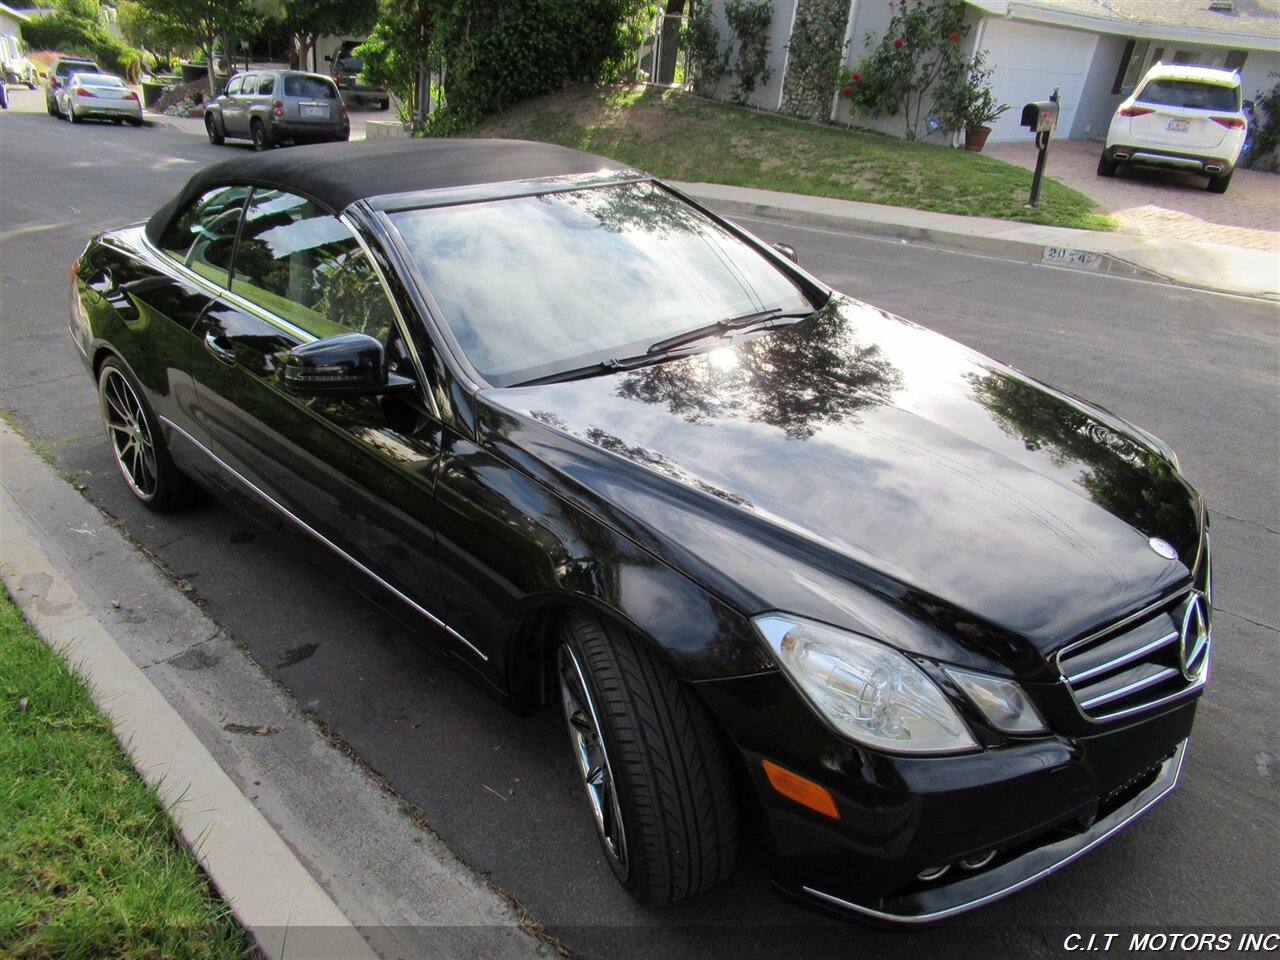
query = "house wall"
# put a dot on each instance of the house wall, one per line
(1097, 103)
(1261, 72)
(767, 96)
(9, 24)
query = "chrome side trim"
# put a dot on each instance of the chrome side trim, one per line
(1164, 674)
(326, 541)
(1122, 660)
(503, 190)
(186, 273)
(1165, 782)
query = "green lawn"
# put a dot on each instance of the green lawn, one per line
(90, 865)
(678, 136)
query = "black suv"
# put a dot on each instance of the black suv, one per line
(59, 71)
(345, 67)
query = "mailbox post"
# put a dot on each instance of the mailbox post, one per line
(1042, 118)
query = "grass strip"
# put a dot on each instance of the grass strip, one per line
(90, 865)
(677, 136)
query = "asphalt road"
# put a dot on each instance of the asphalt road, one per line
(1200, 370)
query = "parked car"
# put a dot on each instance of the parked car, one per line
(271, 107)
(59, 70)
(16, 68)
(943, 626)
(345, 68)
(99, 96)
(1182, 118)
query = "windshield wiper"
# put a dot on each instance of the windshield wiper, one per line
(763, 318)
(672, 346)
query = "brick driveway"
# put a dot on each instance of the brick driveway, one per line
(1173, 205)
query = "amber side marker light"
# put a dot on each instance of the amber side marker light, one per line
(802, 791)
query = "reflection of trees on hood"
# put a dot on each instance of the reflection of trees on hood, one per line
(797, 379)
(1119, 475)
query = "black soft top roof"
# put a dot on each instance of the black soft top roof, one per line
(337, 174)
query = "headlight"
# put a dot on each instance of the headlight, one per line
(1001, 701)
(869, 692)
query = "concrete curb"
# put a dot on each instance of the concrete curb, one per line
(314, 856)
(270, 892)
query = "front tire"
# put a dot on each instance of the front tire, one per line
(139, 449)
(652, 762)
(216, 137)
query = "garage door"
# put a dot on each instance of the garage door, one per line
(1029, 62)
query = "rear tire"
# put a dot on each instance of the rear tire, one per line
(71, 114)
(1220, 184)
(652, 762)
(135, 438)
(384, 103)
(216, 137)
(50, 107)
(261, 141)
(1106, 168)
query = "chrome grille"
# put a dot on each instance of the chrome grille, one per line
(1147, 659)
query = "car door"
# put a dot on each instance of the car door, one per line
(229, 106)
(357, 474)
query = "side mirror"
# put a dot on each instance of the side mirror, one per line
(787, 251)
(346, 365)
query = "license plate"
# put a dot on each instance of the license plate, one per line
(1179, 126)
(314, 110)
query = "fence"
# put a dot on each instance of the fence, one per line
(661, 58)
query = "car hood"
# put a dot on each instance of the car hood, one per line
(856, 455)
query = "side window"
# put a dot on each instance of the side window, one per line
(266, 84)
(302, 264)
(247, 85)
(203, 235)
(233, 86)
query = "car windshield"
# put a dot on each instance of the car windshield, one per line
(315, 88)
(77, 66)
(535, 286)
(1191, 94)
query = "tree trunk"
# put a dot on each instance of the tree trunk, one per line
(209, 41)
(670, 34)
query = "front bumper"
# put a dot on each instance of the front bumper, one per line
(976, 889)
(997, 819)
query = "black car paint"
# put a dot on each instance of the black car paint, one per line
(489, 510)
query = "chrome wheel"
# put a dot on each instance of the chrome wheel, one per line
(130, 433)
(593, 758)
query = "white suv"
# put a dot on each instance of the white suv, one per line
(1187, 118)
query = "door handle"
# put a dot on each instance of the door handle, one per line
(219, 347)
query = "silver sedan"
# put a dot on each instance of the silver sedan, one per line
(100, 96)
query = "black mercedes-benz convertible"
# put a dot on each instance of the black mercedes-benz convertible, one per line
(941, 626)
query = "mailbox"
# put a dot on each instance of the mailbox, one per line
(1040, 117)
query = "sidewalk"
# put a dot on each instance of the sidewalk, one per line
(1206, 266)
(314, 858)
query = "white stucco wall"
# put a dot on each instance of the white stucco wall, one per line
(1261, 72)
(1097, 104)
(769, 95)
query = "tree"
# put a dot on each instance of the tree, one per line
(309, 20)
(204, 23)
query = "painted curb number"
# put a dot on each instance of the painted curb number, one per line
(1067, 257)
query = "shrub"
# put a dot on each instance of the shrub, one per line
(75, 35)
(921, 44)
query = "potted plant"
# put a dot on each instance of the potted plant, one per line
(965, 101)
